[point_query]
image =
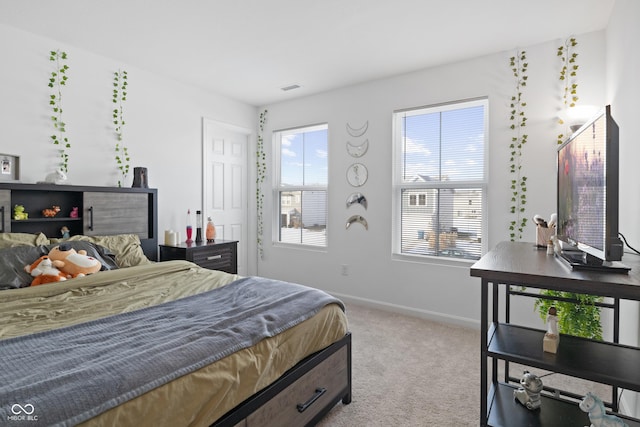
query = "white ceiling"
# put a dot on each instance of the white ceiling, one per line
(250, 49)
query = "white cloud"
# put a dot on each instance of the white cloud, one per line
(288, 153)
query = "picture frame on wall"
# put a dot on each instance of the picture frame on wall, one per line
(9, 168)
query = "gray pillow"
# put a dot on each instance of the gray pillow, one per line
(12, 263)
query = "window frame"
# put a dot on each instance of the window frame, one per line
(398, 185)
(278, 188)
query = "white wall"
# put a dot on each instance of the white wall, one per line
(163, 130)
(623, 92)
(439, 289)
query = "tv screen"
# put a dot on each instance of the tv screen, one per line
(588, 189)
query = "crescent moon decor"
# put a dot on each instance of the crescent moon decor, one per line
(357, 132)
(359, 219)
(357, 198)
(357, 174)
(357, 150)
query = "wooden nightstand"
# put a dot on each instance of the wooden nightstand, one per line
(219, 255)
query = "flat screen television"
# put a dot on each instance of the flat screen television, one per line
(588, 195)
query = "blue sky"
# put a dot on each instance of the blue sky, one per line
(456, 136)
(304, 158)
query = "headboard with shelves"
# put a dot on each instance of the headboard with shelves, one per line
(101, 211)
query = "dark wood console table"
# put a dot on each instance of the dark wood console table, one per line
(521, 264)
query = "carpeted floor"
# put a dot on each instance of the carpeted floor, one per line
(409, 371)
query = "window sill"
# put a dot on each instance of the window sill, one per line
(434, 260)
(300, 247)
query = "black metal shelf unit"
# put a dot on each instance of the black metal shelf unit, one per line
(521, 264)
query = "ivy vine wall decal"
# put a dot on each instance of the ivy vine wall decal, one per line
(568, 77)
(518, 120)
(119, 97)
(261, 166)
(57, 80)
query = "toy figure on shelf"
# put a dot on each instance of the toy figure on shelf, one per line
(50, 212)
(74, 212)
(65, 232)
(552, 337)
(19, 213)
(593, 405)
(529, 393)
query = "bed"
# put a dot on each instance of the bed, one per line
(171, 343)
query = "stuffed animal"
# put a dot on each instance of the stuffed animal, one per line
(51, 212)
(55, 177)
(72, 263)
(44, 271)
(19, 213)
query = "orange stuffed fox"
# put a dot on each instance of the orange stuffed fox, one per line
(72, 263)
(44, 271)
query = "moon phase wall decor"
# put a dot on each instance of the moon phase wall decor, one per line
(357, 150)
(359, 219)
(357, 198)
(357, 174)
(357, 132)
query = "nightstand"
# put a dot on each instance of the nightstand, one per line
(218, 255)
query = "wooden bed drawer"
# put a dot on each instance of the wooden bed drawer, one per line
(297, 404)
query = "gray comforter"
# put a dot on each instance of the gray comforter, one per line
(68, 375)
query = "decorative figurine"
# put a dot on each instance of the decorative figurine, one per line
(65, 232)
(19, 213)
(56, 177)
(552, 337)
(50, 212)
(529, 393)
(74, 212)
(593, 405)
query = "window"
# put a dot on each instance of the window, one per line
(439, 179)
(301, 187)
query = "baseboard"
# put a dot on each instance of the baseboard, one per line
(409, 311)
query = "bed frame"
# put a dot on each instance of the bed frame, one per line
(324, 378)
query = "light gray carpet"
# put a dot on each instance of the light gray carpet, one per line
(409, 371)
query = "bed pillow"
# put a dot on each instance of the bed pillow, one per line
(12, 263)
(8, 240)
(127, 248)
(102, 254)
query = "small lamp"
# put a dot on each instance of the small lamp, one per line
(576, 116)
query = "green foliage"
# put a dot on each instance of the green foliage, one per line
(120, 84)
(57, 79)
(580, 318)
(518, 120)
(568, 74)
(261, 166)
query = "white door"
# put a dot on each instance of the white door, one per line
(224, 187)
